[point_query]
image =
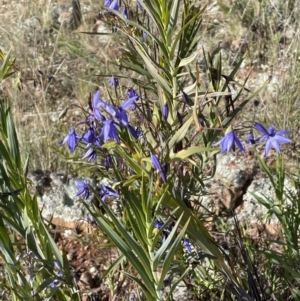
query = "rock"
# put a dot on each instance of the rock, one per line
(232, 178)
(251, 211)
(57, 198)
(32, 30)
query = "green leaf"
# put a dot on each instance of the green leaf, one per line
(181, 133)
(172, 20)
(145, 289)
(127, 245)
(166, 245)
(183, 154)
(150, 67)
(170, 255)
(188, 60)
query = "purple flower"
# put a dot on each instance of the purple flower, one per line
(54, 284)
(129, 102)
(114, 81)
(95, 112)
(125, 12)
(165, 111)
(187, 245)
(274, 139)
(110, 109)
(57, 265)
(121, 114)
(110, 131)
(106, 191)
(89, 137)
(157, 224)
(250, 138)
(82, 188)
(107, 2)
(131, 93)
(140, 7)
(187, 99)
(228, 143)
(158, 166)
(114, 5)
(91, 155)
(108, 161)
(71, 139)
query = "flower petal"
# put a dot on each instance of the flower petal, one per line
(96, 99)
(271, 130)
(268, 147)
(261, 128)
(239, 144)
(275, 144)
(281, 139)
(128, 103)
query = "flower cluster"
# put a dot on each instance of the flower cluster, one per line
(84, 190)
(103, 124)
(272, 138)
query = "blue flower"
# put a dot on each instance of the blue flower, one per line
(140, 7)
(125, 13)
(89, 137)
(106, 191)
(108, 161)
(131, 93)
(114, 81)
(228, 143)
(165, 111)
(82, 188)
(187, 245)
(91, 155)
(121, 112)
(114, 5)
(186, 98)
(250, 138)
(71, 139)
(106, 2)
(274, 138)
(95, 112)
(110, 131)
(157, 224)
(158, 166)
(54, 284)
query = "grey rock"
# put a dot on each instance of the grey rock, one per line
(57, 197)
(32, 30)
(252, 211)
(234, 174)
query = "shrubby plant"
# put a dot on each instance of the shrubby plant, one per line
(154, 141)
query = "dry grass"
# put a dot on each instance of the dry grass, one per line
(266, 32)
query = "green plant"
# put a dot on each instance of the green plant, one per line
(27, 249)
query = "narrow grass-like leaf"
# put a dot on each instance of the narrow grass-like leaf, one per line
(166, 245)
(181, 133)
(172, 20)
(128, 246)
(145, 289)
(183, 154)
(170, 255)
